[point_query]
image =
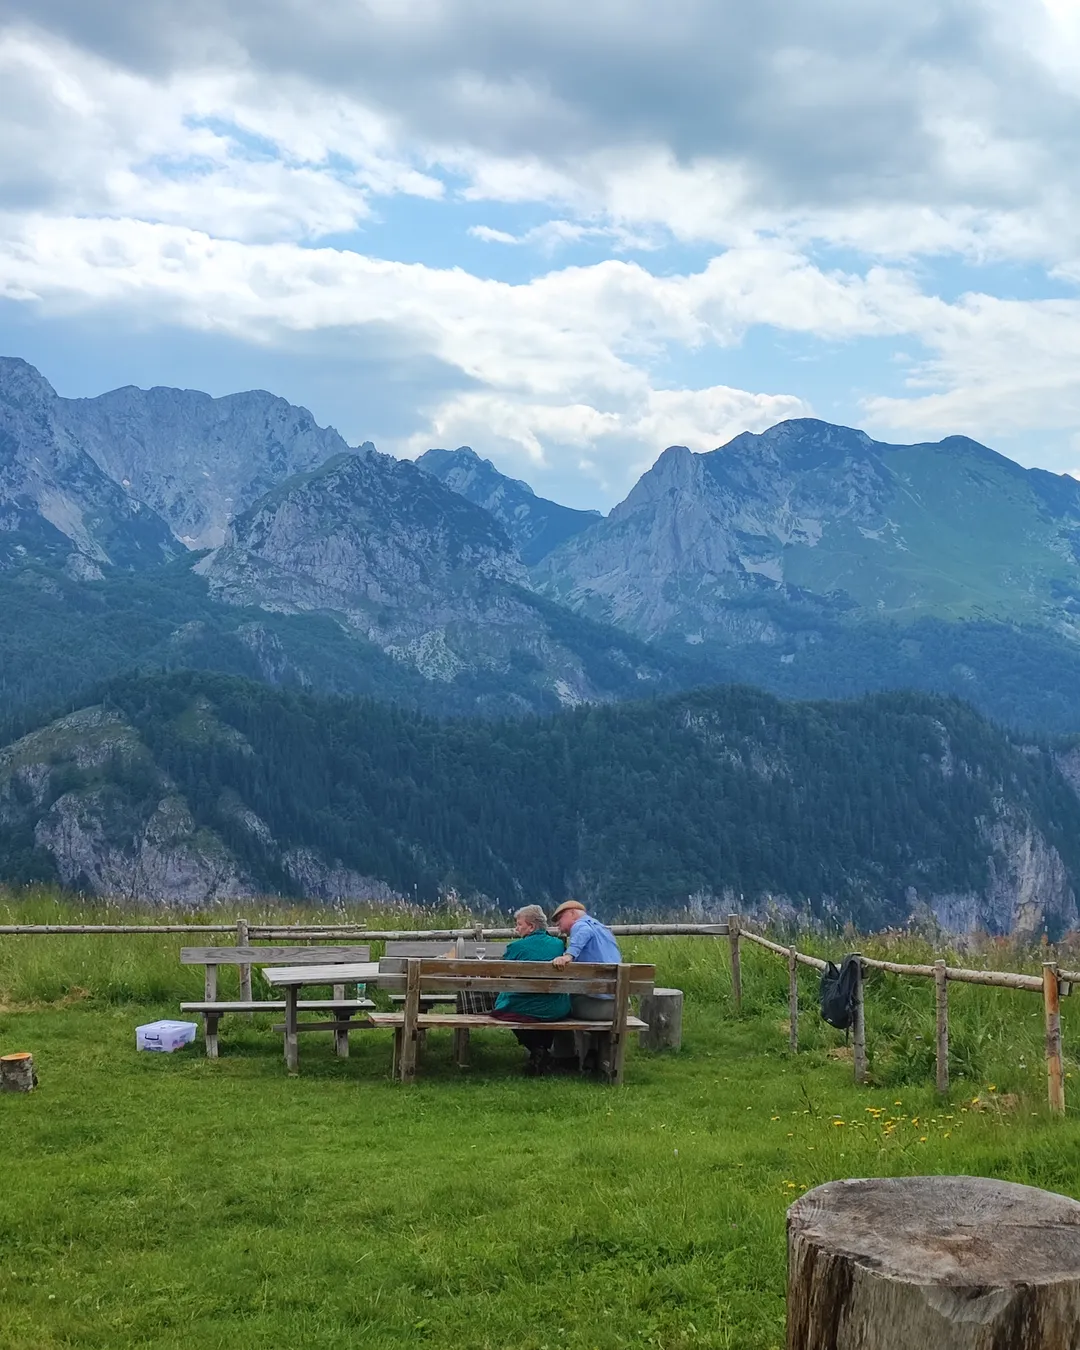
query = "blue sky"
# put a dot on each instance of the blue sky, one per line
(568, 236)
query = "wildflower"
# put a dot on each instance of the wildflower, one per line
(923, 1139)
(838, 1122)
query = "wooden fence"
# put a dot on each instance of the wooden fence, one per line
(1053, 984)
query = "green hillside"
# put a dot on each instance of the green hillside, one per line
(959, 533)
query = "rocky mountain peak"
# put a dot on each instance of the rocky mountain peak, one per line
(22, 385)
(535, 524)
(198, 460)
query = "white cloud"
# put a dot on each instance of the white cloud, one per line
(169, 163)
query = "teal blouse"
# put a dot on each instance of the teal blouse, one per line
(535, 947)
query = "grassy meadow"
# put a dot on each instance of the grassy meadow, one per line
(166, 1201)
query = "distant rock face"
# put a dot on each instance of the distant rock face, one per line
(66, 784)
(56, 504)
(406, 563)
(372, 539)
(199, 461)
(535, 524)
(713, 546)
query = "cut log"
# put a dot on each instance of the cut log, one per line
(17, 1073)
(662, 1009)
(952, 1263)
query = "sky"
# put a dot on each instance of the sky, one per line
(566, 234)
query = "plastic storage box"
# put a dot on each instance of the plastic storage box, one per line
(165, 1036)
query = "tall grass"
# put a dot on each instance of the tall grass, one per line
(995, 1035)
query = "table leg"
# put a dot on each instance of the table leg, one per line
(341, 1036)
(292, 1046)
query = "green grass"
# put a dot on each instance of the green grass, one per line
(168, 1201)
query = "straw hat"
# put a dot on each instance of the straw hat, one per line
(568, 904)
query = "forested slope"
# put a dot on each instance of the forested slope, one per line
(861, 808)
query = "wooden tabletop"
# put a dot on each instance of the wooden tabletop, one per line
(343, 973)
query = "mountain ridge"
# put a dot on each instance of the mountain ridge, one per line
(536, 524)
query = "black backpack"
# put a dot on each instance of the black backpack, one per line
(838, 992)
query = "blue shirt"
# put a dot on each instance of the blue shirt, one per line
(591, 941)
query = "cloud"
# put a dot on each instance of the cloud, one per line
(219, 151)
(185, 166)
(795, 115)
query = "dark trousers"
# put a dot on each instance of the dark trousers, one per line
(534, 1041)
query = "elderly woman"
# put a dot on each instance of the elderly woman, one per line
(533, 943)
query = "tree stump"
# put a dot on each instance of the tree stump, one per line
(662, 1009)
(933, 1263)
(17, 1073)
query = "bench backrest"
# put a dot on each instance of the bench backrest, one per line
(435, 947)
(513, 977)
(273, 956)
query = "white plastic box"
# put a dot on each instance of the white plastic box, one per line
(165, 1036)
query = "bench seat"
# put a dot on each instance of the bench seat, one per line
(278, 1005)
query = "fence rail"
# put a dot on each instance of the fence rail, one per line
(314, 931)
(1052, 984)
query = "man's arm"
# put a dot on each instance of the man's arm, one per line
(578, 937)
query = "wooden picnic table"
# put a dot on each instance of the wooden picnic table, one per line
(293, 978)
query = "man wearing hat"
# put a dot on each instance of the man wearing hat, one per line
(587, 940)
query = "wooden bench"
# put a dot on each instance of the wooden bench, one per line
(419, 975)
(213, 1009)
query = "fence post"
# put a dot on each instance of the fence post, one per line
(793, 999)
(941, 1001)
(858, 1038)
(1054, 1081)
(736, 967)
(242, 940)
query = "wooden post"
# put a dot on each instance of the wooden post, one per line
(292, 1042)
(341, 1034)
(793, 999)
(410, 1033)
(858, 1031)
(736, 965)
(617, 1035)
(941, 1004)
(1054, 1081)
(210, 1020)
(242, 940)
(662, 1010)
(953, 1263)
(17, 1072)
(461, 1047)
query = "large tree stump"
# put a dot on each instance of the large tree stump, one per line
(662, 1009)
(933, 1263)
(17, 1073)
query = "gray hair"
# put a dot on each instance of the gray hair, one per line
(533, 914)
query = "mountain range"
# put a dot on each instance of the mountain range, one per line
(149, 531)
